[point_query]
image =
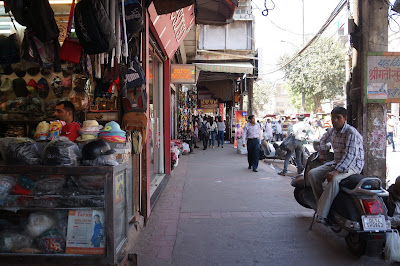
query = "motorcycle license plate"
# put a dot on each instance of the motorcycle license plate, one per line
(373, 222)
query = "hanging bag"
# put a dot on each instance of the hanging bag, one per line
(288, 143)
(93, 27)
(135, 75)
(71, 50)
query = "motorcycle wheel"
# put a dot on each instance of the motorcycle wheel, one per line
(299, 196)
(356, 245)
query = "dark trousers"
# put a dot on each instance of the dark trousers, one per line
(205, 141)
(253, 152)
(279, 136)
(220, 138)
(298, 148)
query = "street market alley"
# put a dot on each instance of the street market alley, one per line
(214, 211)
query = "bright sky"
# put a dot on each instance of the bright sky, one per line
(287, 15)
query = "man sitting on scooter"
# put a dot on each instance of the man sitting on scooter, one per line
(347, 144)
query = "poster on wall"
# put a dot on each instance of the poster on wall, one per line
(86, 232)
(383, 77)
(240, 121)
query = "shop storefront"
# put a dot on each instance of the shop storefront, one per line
(166, 32)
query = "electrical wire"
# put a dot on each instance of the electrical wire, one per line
(265, 12)
(333, 15)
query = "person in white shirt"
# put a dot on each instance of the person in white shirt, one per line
(390, 129)
(268, 129)
(221, 131)
(213, 131)
(252, 133)
(300, 130)
(279, 135)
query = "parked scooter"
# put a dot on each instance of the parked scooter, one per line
(358, 211)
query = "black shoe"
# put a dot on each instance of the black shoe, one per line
(282, 173)
(255, 170)
(204, 149)
(222, 146)
(196, 147)
(249, 167)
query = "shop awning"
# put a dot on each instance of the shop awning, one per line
(244, 68)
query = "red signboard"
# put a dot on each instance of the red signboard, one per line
(172, 28)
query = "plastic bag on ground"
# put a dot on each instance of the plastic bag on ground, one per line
(241, 149)
(392, 247)
(185, 148)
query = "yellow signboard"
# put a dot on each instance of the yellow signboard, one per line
(184, 74)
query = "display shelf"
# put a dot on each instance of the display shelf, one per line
(110, 205)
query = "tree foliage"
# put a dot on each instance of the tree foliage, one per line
(319, 73)
(262, 93)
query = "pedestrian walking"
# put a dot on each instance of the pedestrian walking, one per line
(213, 132)
(221, 131)
(279, 135)
(204, 132)
(300, 130)
(390, 129)
(268, 129)
(252, 133)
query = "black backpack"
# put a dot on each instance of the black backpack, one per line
(93, 27)
(203, 130)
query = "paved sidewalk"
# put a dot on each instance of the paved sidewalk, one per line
(214, 211)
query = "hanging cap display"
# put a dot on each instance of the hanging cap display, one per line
(31, 86)
(6, 85)
(19, 87)
(57, 87)
(7, 70)
(19, 69)
(43, 88)
(45, 71)
(67, 83)
(33, 68)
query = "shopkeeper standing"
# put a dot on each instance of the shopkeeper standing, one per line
(65, 111)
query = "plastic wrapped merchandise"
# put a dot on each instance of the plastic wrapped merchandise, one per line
(51, 242)
(11, 241)
(6, 184)
(98, 153)
(49, 185)
(20, 151)
(91, 185)
(240, 148)
(39, 222)
(61, 151)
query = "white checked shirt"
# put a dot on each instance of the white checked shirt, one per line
(347, 146)
(252, 132)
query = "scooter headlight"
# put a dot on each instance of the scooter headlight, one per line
(352, 225)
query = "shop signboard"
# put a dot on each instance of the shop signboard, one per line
(240, 121)
(382, 78)
(172, 28)
(183, 74)
(209, 104)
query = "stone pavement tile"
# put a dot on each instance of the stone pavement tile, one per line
(226, 215)
(200, 214)
(266, 214)
(256, 214)
(171, 231)
(241, 214)
(152, 251)
(308, 214)
(280, 214)
(184, 215)
(165, 253)
(216, 215)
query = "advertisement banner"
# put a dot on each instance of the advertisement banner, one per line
(86, 232)
(221, 110)
(383, 77)
(240, 121)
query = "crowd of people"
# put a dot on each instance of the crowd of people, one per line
(210, 130)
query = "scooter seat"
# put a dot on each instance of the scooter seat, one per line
(352, 181)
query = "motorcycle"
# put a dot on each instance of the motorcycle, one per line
(358, 211)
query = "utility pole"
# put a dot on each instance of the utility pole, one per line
(303, 97)
(371, 18)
